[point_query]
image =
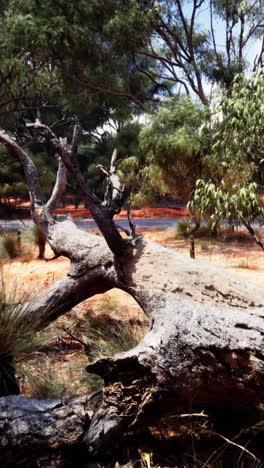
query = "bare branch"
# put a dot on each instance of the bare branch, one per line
(103, 215)
(114, 194)
(75, 139)
(59, 187)
(36, 196)
(230, 442)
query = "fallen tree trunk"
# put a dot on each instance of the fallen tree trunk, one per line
(193, 356)
(42, 433)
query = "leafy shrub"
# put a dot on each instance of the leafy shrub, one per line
(183, 229)
(184, 226)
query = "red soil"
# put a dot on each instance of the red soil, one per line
(144, 212)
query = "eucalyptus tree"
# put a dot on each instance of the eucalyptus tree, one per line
(233, 139)
(168, 159)
(203, 41)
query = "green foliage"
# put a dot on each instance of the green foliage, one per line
(18, 336)
(171, 148)
(182, 228)
(234, 137)
(70, 53)
(106, 337)
(237, 204)
(12, 186)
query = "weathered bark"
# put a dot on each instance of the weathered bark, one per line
(156, 268)
(193, 356)
(42, 433)
(94, 270)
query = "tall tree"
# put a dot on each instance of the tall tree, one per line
(233, 140)
(185, 44)
(172, 158)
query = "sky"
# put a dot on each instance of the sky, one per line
(252, 50)
(203, 17)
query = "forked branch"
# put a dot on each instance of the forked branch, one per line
(59, 187)
(114, 194)
(102, 215)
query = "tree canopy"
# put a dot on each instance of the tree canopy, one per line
(96, 63)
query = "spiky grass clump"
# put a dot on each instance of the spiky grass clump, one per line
(101, 337)
(18, 336)
(182, 228)
(47, 386)
(9, 245)
(106, 336)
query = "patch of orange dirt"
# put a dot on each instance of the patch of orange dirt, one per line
(145, 212)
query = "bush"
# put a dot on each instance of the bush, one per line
(182, 228)
(10, 245)
(39, 239)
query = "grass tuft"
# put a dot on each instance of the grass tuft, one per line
(19, 336)
(10, 247)
(106, 336)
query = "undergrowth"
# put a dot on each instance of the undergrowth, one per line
(184, 227)
(19, 335)
(16, 244)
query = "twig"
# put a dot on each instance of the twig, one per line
(230, 442)
(131, 224)
(192, 415)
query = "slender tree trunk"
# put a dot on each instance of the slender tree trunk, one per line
(192, 247)
(253, 233)
(41, 247)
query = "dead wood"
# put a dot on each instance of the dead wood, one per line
(205, 341)
(42, 433)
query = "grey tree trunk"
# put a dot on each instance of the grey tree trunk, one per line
(42, 433)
